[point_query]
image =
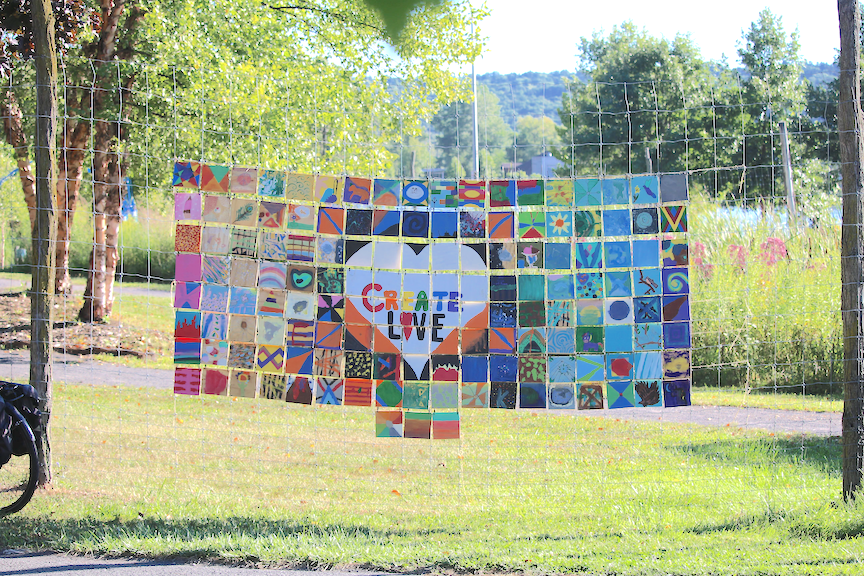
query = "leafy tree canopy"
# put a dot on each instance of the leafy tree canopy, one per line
(453, 130)
(305, 87)
(632, 102)
(535, 136)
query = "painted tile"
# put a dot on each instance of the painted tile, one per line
(271, 183)
(244, 180)
(357, 190)
(415, 193)
(186, 174)
(645, 189)
(215, 178)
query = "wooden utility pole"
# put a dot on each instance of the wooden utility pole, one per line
(850, 122)
(791, 207)
(44, 231)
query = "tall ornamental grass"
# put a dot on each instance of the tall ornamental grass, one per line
(765, 300)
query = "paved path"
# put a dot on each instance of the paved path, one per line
(23, 563)
(14, 364)
(788, 421)
(70, 369)
(10, 285)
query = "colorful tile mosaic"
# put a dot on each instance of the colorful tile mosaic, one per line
(421, 299)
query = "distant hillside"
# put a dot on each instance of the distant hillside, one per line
(819, 73)
(539, 93)
(529, 94)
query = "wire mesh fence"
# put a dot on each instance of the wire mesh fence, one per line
(760, 319)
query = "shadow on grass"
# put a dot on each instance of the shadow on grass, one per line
(824, 454)
(205, 539)
(798, 524)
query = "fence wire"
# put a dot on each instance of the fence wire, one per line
(764, 304)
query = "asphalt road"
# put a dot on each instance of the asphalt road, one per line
(787, 421)
(10, 285)
(22, 563)
(69, 369)
(14, 364)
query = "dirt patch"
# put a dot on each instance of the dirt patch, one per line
(74, 337)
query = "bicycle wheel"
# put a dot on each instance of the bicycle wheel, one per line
(18, 476)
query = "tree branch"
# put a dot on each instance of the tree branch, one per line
(326, 13)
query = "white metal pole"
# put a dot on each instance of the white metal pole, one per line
(474, 89)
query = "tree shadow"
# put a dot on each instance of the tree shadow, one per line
(798, 524)
(823, 454)
(61, 534)
(819, 452)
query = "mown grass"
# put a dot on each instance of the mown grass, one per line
(140, 472)
(760, 399)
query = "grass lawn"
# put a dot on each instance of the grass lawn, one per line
(766, 399)
(142, 472)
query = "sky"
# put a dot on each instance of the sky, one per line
(542, 35)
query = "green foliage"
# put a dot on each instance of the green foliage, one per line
(773, 92)
(72, 19)
(817, 191)
(453, 129)
(771, 59)
(766, 301)
(535, 136)
(635, 100)
(395, 13)
(412, 156)
(304, 88)
(648, 96)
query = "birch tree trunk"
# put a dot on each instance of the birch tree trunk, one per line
(86, 101)
(112, 231)
(70, 169)
(93, 309)
(13, 128)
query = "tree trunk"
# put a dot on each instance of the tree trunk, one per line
(850, 122)
(93, 309)
(69, 173)
(112, 231)
(14, 130)
(114, 208)
(42, 289)
(77, 131)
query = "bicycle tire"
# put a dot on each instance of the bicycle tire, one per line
(18, 477)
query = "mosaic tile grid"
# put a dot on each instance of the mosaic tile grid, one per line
(317, 290)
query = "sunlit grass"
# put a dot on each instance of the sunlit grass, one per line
(739, 398)
(145, 473)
